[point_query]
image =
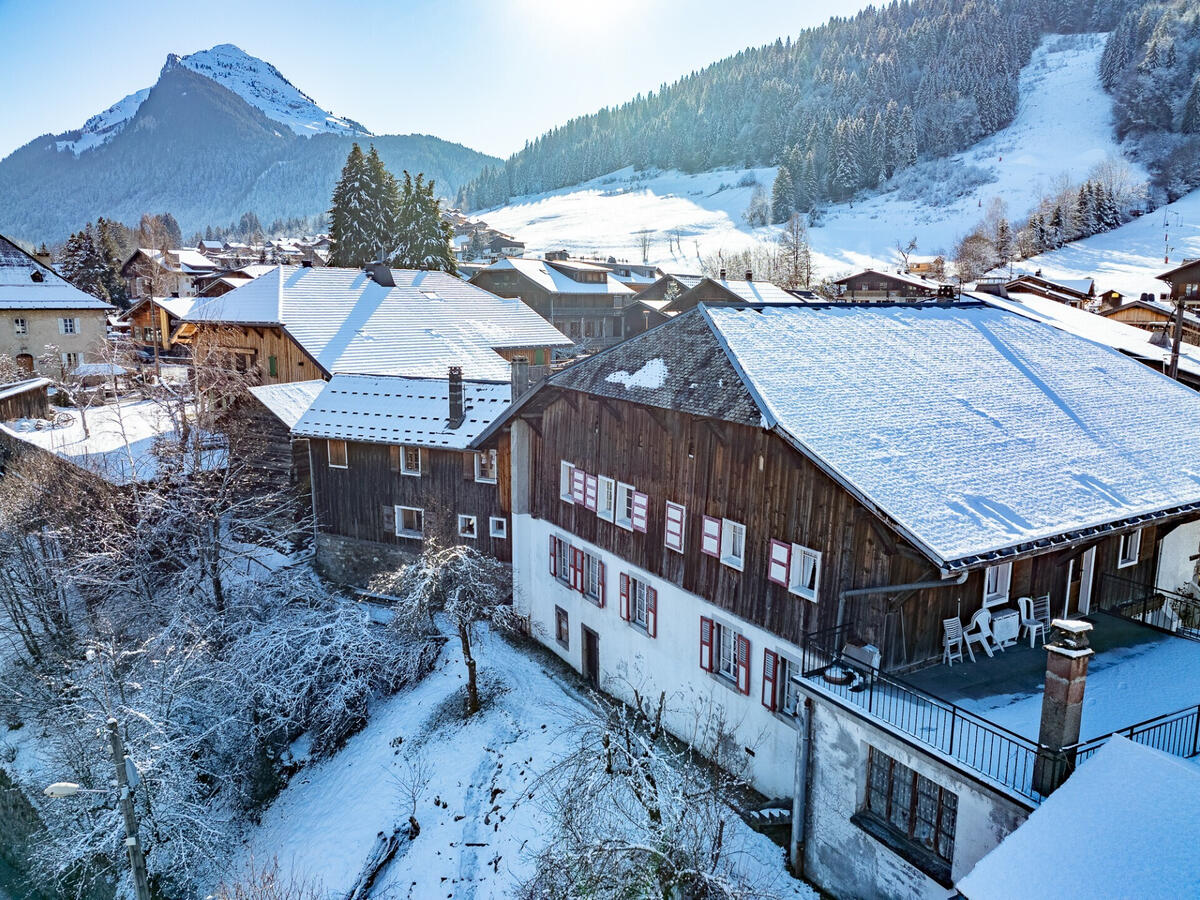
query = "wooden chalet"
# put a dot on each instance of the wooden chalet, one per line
(153, 322)
(1079, 292)
(586, 302)
(1157, 317)
(649, 311)
(392, 469)
(170, 273)
(873, 284)
(28, 399)
(299, 323)
(274, 410)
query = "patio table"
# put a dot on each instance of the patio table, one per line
(1006, 626)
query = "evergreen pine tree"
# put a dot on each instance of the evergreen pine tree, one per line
(424, 238)
(1055, 228)
(1003, 241)
(1190, 124)
(350, 227)
(783, 196)
(382, 205)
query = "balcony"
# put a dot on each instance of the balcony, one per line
(985, 716)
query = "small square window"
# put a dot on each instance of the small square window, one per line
(410, 460)
(410, 522)
(486, 467)
(1130, 550)
(733, 544)
(806, 572)
(20, 326)
(498, 527)
(467, 527)
(625, 503)
(566, 475)
(562, 628)
(606, 502)
(70, 361)
(337, 454)
(68, 325)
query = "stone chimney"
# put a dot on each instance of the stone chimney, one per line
(520, 376)
(456, 397)
(749, 275)
(380, 274)
(721, 275)
(1067, 657)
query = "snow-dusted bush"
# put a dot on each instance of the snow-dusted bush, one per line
(940, 182)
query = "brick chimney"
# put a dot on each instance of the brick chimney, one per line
(722, 274)
(749, 275)
(456, 397)
(520, 376)
(1067, 657)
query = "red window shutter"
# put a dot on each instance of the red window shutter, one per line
(590, 492)
(624, 596)
(651, 612)
(578, 485)
(641, 511)
(602, 582)
(673, 533)
(743, 664)
(553, 555)
(770, 670)
(706, 643)
(780, 563)
(710, 543)
(577, 569)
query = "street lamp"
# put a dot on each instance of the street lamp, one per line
(124, 766)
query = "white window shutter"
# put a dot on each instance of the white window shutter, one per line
(710, 543)
(578, 485)
(590, 492)
(673, 534)
(641, 511)
(780, 563)
(706, 643)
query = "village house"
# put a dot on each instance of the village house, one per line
(274, 410)
(1076, 292)
(172, 273)
(790, 515)
(1156, 317)
(152, 323)
(584, 301)
(872, 284)
(677, 297)
(300, 323)
(42, 314)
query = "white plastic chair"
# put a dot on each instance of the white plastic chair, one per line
(952, 641)
(1030, 624)
(979, 631)
(1041, 612)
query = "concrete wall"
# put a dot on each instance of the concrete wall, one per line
(630, 659)
(1175, 567)
(354, 562)
(844, 859)
(44, 330)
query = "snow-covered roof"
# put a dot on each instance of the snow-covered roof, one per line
(176, 306)
(1163, 307)
(905, 277)
(121, 440)
(1110, 332)
(20, 387)
(1138, 809)
(27, 284)
(973, 429)
(545, 275)
(348, 323)
(288, 401)
(756, 291)
(396, 410)
(92, 370)
(192, 260)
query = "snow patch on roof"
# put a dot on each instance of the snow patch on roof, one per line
(652, 375)
(289, 401)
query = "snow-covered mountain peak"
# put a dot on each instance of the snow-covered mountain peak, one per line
(263, 86)
(254, 80)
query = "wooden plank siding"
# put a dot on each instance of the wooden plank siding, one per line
(751, 476)
(357, 501)
(292, 362)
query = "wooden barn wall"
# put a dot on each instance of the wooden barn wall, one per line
(752, 477)
(357, 501)
(292, 363)
(26, 405)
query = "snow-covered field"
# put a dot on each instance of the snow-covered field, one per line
(481, 816)
(1063, 127)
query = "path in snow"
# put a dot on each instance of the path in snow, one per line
(480, 816)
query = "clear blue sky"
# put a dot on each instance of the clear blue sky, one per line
(487, 74)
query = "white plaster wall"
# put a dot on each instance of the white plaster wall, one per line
(670, 662)
(1174, 566)
(847, 861)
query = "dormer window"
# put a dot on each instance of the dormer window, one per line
(36, 275)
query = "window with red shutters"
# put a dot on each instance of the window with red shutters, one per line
(710, 541)
(641, 511)
(770, 670)
(673, 532)
(577, 569)
(578, 486)
(743, 664)
(553, 555)
(780, 563)
(706, 643)
(592, 585)
(624, 596)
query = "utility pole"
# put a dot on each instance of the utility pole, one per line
(1173, 371)
(137, 861)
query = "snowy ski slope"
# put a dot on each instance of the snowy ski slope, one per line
(1063, 127)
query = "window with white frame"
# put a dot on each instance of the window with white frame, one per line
(733, 544)
(410, 522)
(779, 692)
(486, 467)
(561, 561)
(805, 573)
(566, 476)
(593, 579)
(624, 515)
(336, 453)
(996, 581)
(639, 604)
(562, 630)
(70, 361)
(606, 501)
(410, 460)
(675, 524)
(498, 527)
(467, 527)
(725, 652)
(20, 325)
(68, 325)
(1130, 549)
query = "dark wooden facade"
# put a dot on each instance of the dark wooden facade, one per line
(585, 317)
(753, 477)
(30, 402)
(881, 285)
(359, 501)
(269, 351)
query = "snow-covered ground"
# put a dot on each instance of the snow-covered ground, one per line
(481, 815)
(1063, 127)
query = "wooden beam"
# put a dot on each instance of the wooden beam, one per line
(880, 530)
(613, 410)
